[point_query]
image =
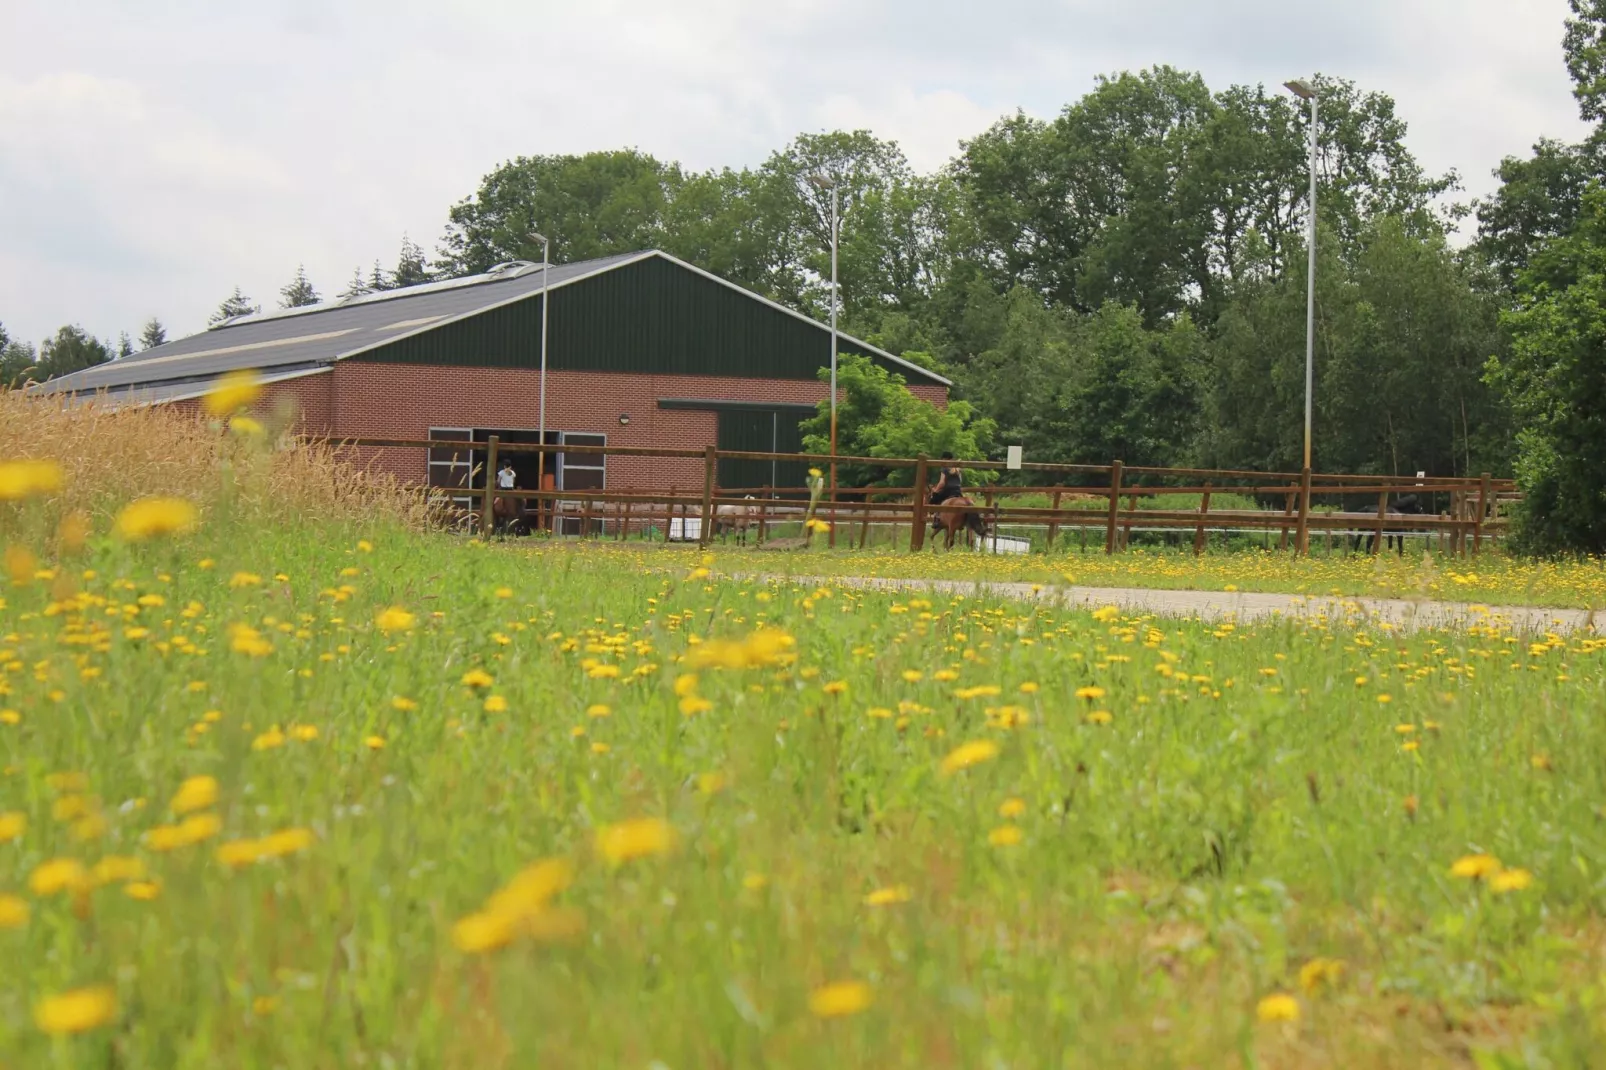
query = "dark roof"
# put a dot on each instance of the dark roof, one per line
(308, 339)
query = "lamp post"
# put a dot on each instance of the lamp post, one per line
(1304, 90)
(822, 182)
(540, 458)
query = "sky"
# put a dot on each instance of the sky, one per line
(154, 155)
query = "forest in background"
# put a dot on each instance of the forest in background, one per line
(1128, 279)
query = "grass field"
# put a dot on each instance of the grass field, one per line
(1493, 577)
(337, 794)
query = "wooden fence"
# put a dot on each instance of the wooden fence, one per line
(1106, 499)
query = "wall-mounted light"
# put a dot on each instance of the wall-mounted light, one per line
(624, 419)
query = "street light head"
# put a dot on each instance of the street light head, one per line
(1301, 88)
(538, 237)
(822, 182)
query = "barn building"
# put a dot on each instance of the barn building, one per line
(643, 349)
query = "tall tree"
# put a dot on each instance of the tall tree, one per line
(412, 267)
(153, 334)
(70, 350)
(378, 280)
(299, 291)
(356, 287)
(1555, 382)
(125, 345)
(236, 304)
(589, 206)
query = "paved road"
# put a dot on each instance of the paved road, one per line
(1244, 605)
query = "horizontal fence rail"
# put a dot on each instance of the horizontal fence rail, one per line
(1466, 511)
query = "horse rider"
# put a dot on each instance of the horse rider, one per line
(506, 478)
(950, 485)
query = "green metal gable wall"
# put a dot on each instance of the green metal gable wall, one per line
(651, 316)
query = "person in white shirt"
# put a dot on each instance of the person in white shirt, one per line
(506, 478)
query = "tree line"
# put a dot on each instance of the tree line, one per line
(1127, 279)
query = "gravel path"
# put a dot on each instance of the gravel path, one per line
(1244, 605)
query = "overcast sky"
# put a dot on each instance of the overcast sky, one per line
(155, 154)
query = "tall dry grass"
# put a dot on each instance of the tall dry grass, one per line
(112, 455)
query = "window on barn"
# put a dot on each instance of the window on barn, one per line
(451, 468)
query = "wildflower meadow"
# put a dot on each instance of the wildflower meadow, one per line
(319, 787)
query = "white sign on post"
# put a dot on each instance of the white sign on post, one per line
(1013, 463)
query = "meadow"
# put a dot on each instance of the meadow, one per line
(315, 787)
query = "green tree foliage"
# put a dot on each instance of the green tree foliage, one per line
(589, 206)
(412, 268)
(878, 416)
(1155, 192)
(356, 287)
(153, 334)
(236, 304)
(16, 360)
(1555, 383)
(299, 291)
(70, 350)
(379, 280)
(1404, 325)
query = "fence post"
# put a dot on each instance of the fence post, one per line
(1288, 513)
(1199, 529)
(487, 503)
(1115, 507)
(1483, 509)
(669, 515)
(917, 531)
(1382, 511)
(710, 464)
(1303, 540)
(1054, 521)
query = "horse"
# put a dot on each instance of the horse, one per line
(737, 518)
(956, 513)
(507, 515)
(1404, 505)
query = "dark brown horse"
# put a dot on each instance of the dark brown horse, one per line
(954, 514)
(507, 515)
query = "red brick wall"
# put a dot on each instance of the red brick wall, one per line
(371, 400)
(307, 396)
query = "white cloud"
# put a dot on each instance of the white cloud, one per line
(153, 155)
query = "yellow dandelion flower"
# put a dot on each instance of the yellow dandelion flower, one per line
(374, 742)
(840, 999)
(598, 709)
(150, 517)
(144, 891)
(477, 678)
(196, 793)
(1029, 688)
(1320, 973)
(13, 912)
(304, 733)
(76, 1011)
(686, 684)
(13, 824)
(1099, 717)
(232, 392)
(1011, 808)
(495, 704)
(20, 564)
(835, 687)
(896, 893)
(1475, 867)
(1510, 880)
(286, 842)
(268, 740)
(1005, 836)
(247, 427)
(1278, 1007)
(1092, 693)
(913, 676)
(58, 875)
(484, 931)
(644, 836)
(238, 853)
(25, 479)
(968, 754)
(395, 619)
